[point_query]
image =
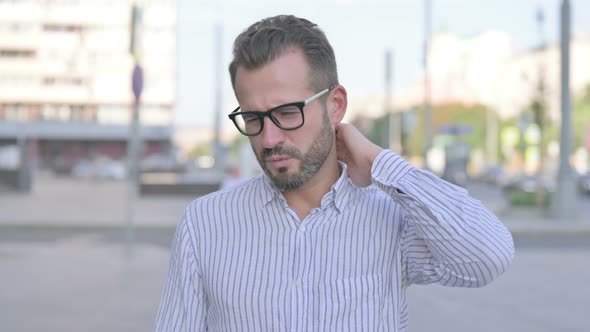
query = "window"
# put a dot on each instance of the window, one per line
(57, 27)
(64, 80)
(15, 112)
(16, 53)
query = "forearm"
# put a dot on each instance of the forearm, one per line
(465, 244)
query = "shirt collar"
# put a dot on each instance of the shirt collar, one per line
(340, 193)
(268, 191)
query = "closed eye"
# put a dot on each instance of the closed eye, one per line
(286, 112)
(249, 117)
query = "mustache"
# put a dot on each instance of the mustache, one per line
(281, 150)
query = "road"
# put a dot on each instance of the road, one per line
(85, 280)
(80, 276)
(545, 290)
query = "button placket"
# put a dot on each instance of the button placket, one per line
(299, 276)
(301, 229)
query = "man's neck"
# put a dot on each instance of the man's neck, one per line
(309, 196)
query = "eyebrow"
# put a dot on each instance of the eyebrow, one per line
(275, 107)
(304, 102)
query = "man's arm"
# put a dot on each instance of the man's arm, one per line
(448, 237)
(183, 306)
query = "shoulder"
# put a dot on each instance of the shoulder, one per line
(215, 213)
(374, 201)
(372, 194)
(221, 200)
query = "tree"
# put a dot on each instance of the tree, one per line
(539, 110)
(581, 117)
(473, 116)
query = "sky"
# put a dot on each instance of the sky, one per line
(360, 32)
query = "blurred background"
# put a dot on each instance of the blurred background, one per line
(113, 119)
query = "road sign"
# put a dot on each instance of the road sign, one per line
(137, 81)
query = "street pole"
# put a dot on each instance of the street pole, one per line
(427, 103)
(563, 204)
(133, 142)
(539, 113)
(218, 155)
(133, 154)
(394, 123)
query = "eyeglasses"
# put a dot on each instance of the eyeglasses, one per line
(288, 116)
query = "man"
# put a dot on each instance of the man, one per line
(337, 228)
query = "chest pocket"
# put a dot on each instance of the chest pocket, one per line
(351, 304)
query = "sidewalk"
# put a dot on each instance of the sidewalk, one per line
(73, 203)
(67, 202)
(529, 221)
(85, 282)
(532, 222)
(80, 283)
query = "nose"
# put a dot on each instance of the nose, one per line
(271, 135)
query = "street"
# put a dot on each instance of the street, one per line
(84, 280)
(65, 266)
(544, 290)
(118, 117)
(79, 283)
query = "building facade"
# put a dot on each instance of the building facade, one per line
(65, 77)
(486, 70)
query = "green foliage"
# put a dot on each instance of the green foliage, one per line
(206, 148)
(201, 149)
(236, 143)
(518, 197)
(377, 130)
(581, 117)
(473, 116)
(414, 142)
(551, 130)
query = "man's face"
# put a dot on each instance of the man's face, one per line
(289, 157)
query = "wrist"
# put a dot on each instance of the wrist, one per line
(373, 152)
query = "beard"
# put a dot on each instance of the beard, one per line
(309, 162)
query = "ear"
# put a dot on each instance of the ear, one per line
(337, 103)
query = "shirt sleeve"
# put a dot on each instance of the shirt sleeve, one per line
(183, 306)
(447, 237)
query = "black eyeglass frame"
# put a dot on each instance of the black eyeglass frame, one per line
(262, 115)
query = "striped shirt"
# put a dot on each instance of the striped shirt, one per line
(242, 261)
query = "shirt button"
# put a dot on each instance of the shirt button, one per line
(298, 283)
(302, 229)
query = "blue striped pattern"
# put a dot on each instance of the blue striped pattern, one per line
(242, 261)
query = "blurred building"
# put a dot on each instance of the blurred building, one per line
(485, 69)
(516, 81)
(187, 138)
(65, 77)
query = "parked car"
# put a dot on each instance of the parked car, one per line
(9, 157)
(161, 163)
(101, 168)
(494, 175)
(528, 183)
